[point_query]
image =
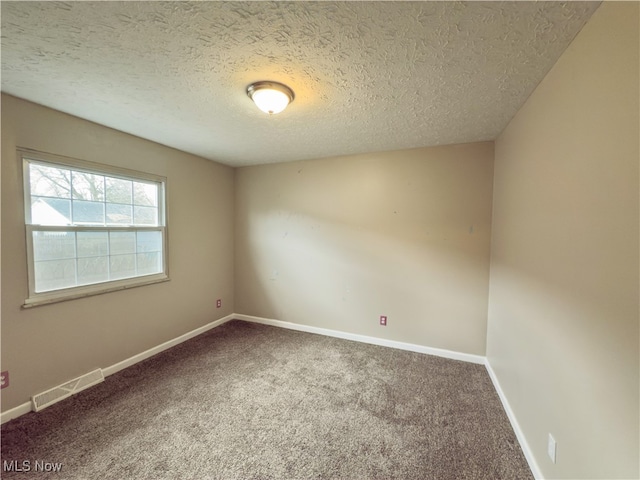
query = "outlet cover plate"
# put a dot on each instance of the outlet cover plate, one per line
(383, 320)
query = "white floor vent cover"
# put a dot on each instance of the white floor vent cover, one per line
(54, 395)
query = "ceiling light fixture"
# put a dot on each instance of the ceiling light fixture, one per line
(270, 97)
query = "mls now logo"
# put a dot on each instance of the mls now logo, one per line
(28, 466)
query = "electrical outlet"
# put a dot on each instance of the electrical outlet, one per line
(383, 320)
(551, 448)
(4, 379)
(218, 303)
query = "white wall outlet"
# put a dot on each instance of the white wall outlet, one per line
(551, 448)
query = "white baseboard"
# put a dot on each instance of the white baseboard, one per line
(524, 445)
(164, 346)
(15, 412)
(27, 407)
(465, 357)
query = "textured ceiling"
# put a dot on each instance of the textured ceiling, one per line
(368, 76)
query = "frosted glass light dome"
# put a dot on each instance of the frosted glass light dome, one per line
(270, 97)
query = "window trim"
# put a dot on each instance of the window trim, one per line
(29, 156)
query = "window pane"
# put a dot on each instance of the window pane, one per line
(145, 194)
(93, 270)
(122, 242)
(93, 244)
(53, 245)
(122, 266)
(119, 214)
(50, 211)
(119, 191)
(88, 212)
(55, 274)
(145, 215)
(149, 242)
(49, 181)
(149, 263)
(87, 186)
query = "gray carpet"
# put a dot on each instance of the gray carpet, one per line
(252, 401)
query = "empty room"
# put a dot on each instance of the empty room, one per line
(320, 240)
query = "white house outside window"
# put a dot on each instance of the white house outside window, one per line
(91, 228)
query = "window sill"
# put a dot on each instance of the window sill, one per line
(91, 290)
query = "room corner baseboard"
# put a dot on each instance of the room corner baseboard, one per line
(524, 445)
(164, 346)
(27, 407)
(477, 359)
(465, 357)
(15, 412)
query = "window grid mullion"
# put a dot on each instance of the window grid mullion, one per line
(109, 255)
(71, 199)
(75, 254)
(135, 254)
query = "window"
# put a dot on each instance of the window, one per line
(90, 228)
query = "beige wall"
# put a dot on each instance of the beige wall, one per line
(335, 243)
(563, 311)
(48, 345)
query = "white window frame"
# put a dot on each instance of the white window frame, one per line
(28, 156)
